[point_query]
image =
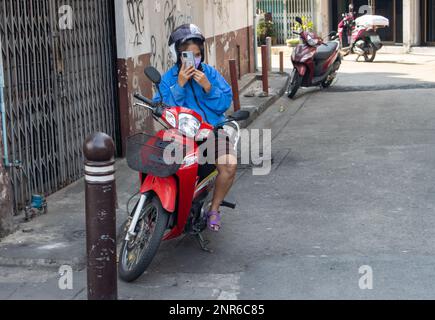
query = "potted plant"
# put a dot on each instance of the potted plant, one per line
(265, 29)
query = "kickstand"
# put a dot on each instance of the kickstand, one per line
(203, 243)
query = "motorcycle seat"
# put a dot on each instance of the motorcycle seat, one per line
(324, 51)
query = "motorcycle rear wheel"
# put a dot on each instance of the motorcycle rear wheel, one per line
(295, 84)
(329, 81)
(136, 255)
(371, 55)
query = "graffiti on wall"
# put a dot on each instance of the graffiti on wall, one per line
(223, 10)
(136, 14)
(174, 15)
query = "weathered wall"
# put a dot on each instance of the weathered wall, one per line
(166, 16)
(143, 29)
(229, 34)
(6, 210)
(232, 45)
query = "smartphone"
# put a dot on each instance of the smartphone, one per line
(188, 59)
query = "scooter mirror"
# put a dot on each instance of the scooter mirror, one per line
(299, 20)
(153, 74)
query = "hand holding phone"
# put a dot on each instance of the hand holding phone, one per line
(188, 59)
(185, 74)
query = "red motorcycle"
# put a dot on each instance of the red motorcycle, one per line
(315, 62)
(174, 197)
(360, 35)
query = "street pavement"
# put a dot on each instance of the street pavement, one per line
(351, 185)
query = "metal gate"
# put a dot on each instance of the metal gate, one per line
(60, 86)
(284, 13)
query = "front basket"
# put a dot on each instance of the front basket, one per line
(145, 154)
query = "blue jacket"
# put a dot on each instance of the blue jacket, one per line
(213, 105)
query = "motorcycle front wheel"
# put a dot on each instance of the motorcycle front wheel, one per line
(370, 53)
(295, 84)
(136, 255)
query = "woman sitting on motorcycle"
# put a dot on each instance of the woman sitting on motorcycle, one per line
(202, 89)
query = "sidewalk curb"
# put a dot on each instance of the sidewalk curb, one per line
(269, 101)
(245, 85)
(77, 264)
(417, 86)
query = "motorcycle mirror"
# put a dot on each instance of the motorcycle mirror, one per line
(153, 74)
(240, 115)
(299, 20)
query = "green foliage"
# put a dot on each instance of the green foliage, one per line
(265, 29)
(293, 42)
(306, 25)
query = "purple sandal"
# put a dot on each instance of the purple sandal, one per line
(215, 224)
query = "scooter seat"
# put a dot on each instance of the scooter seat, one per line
(324, 51)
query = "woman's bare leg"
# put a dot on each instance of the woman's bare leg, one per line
(227, 168)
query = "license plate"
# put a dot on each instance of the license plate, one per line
(375, 39)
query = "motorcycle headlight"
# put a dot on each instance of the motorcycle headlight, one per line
(312, 42)
(188, 125)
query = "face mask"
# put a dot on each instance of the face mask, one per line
(198, 62)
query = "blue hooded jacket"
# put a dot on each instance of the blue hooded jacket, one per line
(213, 105)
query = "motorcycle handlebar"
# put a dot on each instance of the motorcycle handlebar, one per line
(157, 108)
(145, 100)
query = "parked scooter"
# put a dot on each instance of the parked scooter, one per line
(360, 35)
(315, 63)
(174, 198)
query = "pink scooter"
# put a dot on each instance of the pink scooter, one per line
(315, 62)
(360, 35)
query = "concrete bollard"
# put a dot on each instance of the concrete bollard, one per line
(99, 152)
(265, 70)
(235, 85)
(269, 52)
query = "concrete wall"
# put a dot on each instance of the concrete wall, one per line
(143, 29)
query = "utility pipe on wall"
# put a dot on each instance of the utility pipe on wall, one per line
(255, 35)
(6, 160)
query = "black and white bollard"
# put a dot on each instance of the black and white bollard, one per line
(99, 152)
